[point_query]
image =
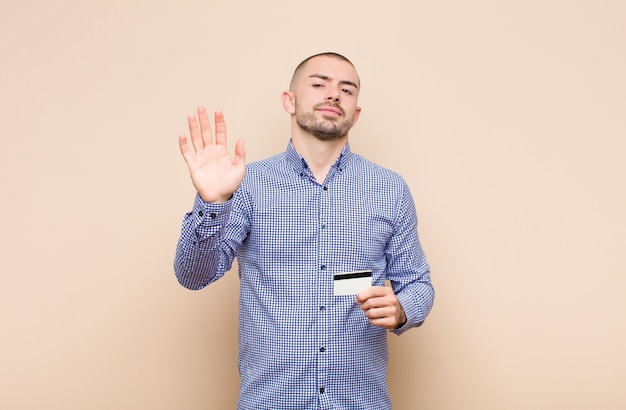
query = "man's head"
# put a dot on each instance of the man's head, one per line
(300, 67)
(322, 96)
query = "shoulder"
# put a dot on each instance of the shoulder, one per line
(270, 163)
(388, 187)
(374, 173)
(268, 173)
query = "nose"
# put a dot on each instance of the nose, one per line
(333, 95)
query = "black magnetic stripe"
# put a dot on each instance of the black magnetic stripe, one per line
(353, 275)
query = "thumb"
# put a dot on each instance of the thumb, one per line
(240, 153)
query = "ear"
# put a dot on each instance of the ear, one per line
(289, 102)
(357, 114)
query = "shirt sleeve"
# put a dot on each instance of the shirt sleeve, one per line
(204, 251)
(407, 267)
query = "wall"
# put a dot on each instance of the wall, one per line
(506, 118)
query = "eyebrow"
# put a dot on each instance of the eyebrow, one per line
(327, 78)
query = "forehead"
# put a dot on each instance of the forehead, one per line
(331, 67)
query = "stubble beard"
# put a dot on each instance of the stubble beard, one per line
(325, 129)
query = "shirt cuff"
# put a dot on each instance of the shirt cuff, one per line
(409, 311)
(208, 216)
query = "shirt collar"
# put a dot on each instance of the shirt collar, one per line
(300, 165)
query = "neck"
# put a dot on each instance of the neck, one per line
(319, 155)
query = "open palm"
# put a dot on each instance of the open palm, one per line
(215, 175)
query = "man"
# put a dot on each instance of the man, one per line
(294, 221)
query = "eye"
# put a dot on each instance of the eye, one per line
(317, 85)
(347, 91)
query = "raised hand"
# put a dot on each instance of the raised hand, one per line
(215, 175)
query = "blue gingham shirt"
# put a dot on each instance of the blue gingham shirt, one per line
(300, 347)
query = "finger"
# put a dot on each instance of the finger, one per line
(371, 292)
(363, 295)
(379, 312)
(183, 145)
(220, 128)
(194, 131)
(205, 126)
(240, 153)
(382, 322)
(378, 302)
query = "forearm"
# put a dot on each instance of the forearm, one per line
(199, 258)
(408, 270)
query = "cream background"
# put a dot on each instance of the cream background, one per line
(506, 118)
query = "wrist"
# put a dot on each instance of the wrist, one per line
(210, 199)
(402, 319)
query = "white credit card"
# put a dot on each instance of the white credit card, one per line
(351, 283)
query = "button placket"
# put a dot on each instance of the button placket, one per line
(326, 282)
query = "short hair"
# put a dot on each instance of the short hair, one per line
(324, 54)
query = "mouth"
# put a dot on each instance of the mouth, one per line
(329, 110)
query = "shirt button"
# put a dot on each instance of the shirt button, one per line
(201, 214)
(322, 349)
(325, 188)
(323, 226)
(322, 390)
(323, 267)
(213, 215)
(322, 308)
